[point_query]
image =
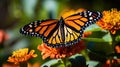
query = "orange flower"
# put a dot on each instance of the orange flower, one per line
(86, 34)
(113, 61)
(21, 55)
(36, 64)
(3, 36)
(10, 65)
(110, 20)
(117, 48)
(61, 52)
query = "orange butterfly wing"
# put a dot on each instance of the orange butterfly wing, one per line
(63, 32)
(76, 24)
(39, 28)
(48, 30)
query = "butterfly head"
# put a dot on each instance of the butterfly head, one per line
(61, 19)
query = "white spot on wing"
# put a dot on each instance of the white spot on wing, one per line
(91, 18)
(30, 25)
(90, 13)
(85, 14)
(22, 29)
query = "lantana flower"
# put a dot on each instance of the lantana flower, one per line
(110, 20)
(21, 55)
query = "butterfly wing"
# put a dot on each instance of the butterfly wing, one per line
(76, 24)
(48, 30)
(63, 32)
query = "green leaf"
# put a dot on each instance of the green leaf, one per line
(92, 28)
(78, 61)
(51, 62)
(94, 39)
(102, 48)
(57, 65)
(99, 36)
(108, 38)
(117, 38)
(61, 64)
(92, 63)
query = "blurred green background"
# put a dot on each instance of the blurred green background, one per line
(14, 14)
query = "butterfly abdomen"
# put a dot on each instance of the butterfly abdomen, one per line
(61, 25)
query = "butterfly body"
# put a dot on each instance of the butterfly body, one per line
(61, 23)
(64, 32)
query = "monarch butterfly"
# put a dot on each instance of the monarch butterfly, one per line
(64, 32)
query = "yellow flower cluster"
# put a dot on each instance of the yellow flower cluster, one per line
(21, 55)
(110, 20)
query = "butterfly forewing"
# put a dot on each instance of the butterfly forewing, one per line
(39, 28)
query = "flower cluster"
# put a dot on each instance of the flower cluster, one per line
(110, 20)
(21, 55)
(61, 52)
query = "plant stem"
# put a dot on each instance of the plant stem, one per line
(23, 64)
(111, 62)
(64, 62)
